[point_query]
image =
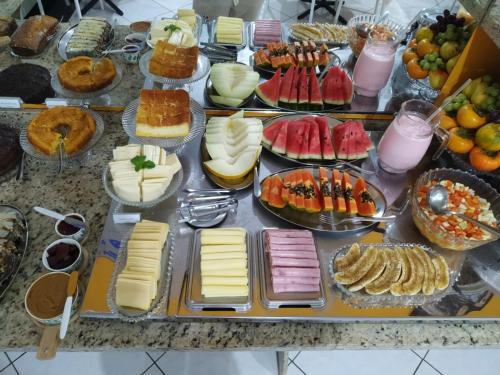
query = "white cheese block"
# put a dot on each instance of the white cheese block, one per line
(151, 153)
(128, 192)
(225, 255)
(151, 191)
(219, 280)
(160, 171)
(210, 249)
(224, 291)
(222, 265)
(126, 152)
(173, 161)
(133, 293)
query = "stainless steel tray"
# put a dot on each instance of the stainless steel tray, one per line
(159, 304)
(197, 302)
(251, 37)
(66, 36)
(7, 279)
(273, 300)
(364, 300)
(211, 25)
(326, 221)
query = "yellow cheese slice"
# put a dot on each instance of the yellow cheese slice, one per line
(156, 255)
(224, 273)
(185, 12)
(224, 291)
(222, 265)
(210, 249)
(143, 244)
(226, 255)
(146, 236)
(225, 231)
(222, 240)
(220, 280)
(145, 277)
(133, 293)
(142, 269)
(225, 20)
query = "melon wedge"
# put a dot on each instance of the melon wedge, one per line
(240, 168)
(230, 102)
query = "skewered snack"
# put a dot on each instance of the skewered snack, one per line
(163, 113)
(402, 272)
(89, 38)
(82, 74)
(33, 35)
(43, 129)
(320, 32)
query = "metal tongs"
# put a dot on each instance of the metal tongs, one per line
(206, 206)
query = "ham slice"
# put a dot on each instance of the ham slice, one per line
(295, 280)
(295, 271)
(293, 262)
(294, 254)
(283, 288)
(289, 233)
(275, 247)
(290, 241)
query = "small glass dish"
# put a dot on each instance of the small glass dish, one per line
(66, 93)
(171, 189)
(159, 304)
(362, 299)
(32, 151)
(197, 127)
(80, 235)
(436, 233)
(201, 70)
(73, 266)
(355, 41)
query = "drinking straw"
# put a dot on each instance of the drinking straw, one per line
(448, 100)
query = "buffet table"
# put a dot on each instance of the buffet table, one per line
(79, 189)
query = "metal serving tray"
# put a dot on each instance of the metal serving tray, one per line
(273, 300)
(211, 25)
(251, 37)
(195, 300)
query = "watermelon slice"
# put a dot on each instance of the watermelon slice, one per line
(294, 90)
(326, 142)
(314, 141)
(347, 90)
(304, 148)
(338, 192)
(351, 141)
(271, 132)
(286, 85)
(269, 91)
(279, 144)
(326, 193)
(294, 138)
(315, 100)
(303, 96)
(340, 141)
(336, 87)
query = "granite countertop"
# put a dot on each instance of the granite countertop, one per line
(79, 189)
(129, 86)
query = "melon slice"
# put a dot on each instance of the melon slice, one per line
(232, 80)
(240, 168)
(271, 132)
(230, 102)
(269, 91)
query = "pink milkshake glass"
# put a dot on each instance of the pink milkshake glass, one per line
(374, 65)
(408, 137)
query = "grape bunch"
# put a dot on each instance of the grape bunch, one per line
(446, 19)
(432, 62)
(457, 102)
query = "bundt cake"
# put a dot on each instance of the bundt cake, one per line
(44, 133)
(83, 74)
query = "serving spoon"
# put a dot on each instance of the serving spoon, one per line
(437, 199)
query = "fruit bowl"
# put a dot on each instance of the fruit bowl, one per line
(436, 233)
(357, 42)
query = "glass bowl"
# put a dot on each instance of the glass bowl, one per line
(355, 41)
(171, 189)
(436, 233)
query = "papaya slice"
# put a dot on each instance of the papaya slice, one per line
(291, 191)
(350, 202)
(311, 193)
(338, 192)
(275, 199)
(364, 201)
(299, 191)
(287, 182)
(266, 189)
(325, 192)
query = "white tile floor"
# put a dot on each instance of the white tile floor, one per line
(336, 362)
(367, 362)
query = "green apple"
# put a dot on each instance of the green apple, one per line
(448, 50)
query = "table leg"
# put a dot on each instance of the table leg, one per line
(282, 358)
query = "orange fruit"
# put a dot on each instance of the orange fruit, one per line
(412, 44)
(415, 71)
(484, 161)
(425, 46)
(447, 122)
(409, 54)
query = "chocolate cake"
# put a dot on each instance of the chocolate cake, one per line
(28, 81)
(10, 150)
